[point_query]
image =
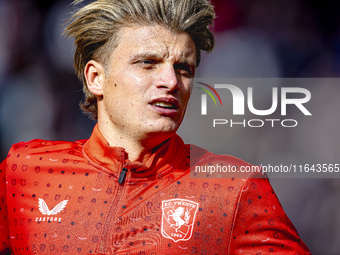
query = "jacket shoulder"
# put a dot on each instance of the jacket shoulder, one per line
(40, 143)
(204, 162)
(201, 155)
(39, 146)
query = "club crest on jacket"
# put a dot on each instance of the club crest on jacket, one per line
(178, 218)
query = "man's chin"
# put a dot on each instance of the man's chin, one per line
(161, 129)
(161, 135)
(166, 125)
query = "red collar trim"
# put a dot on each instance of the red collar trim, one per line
(102, 155)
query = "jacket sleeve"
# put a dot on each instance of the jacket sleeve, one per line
(5, 245)
(260, 223)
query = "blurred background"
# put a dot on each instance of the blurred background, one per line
(40, 93)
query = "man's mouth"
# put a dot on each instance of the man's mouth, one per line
(164, 105)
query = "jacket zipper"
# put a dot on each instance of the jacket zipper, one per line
(112, 212)
(122, 175)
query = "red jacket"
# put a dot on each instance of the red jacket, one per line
(64, 197)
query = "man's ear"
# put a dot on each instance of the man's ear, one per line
(95, 76)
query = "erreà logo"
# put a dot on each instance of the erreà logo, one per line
(43, 208)
(178, 218)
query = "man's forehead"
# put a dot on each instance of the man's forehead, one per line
(156, 41)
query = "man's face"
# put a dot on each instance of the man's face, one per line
(147, 84)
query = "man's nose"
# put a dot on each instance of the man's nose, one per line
(168, 78)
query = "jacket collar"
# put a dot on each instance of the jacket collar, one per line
(106, 157)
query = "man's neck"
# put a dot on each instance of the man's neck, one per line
(137, 148)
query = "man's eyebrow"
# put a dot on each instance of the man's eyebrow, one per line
(152, 55)
(145, 56)
(186, 62)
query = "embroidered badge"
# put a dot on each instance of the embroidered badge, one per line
(178, 218)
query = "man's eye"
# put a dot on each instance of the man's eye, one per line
(184, 70)
(148, 62)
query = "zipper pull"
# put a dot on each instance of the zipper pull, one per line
(122, 175)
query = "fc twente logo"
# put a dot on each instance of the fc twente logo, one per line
(43, 208)
(178, 218)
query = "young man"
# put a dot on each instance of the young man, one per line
(127, 189)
